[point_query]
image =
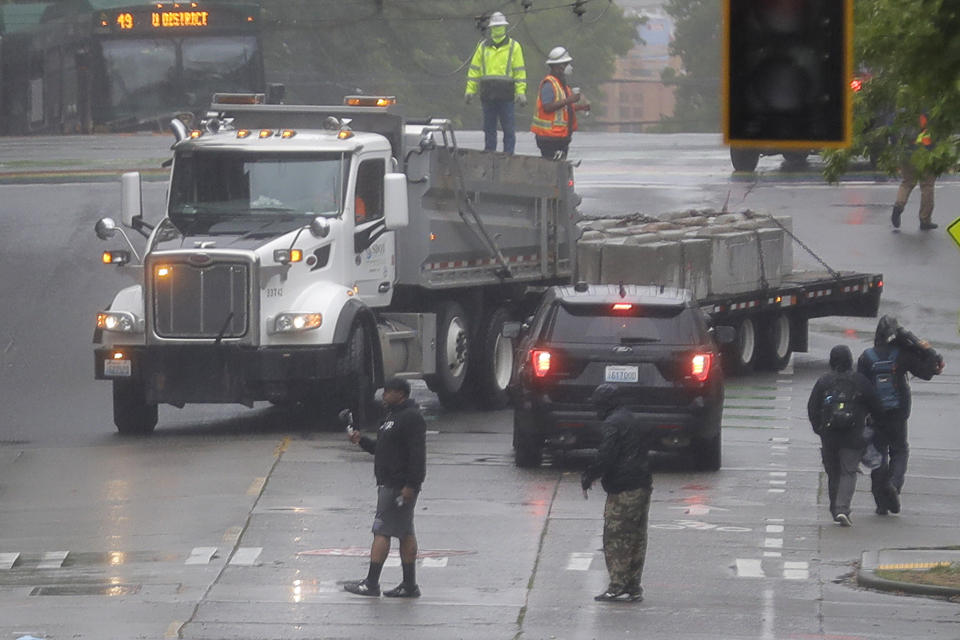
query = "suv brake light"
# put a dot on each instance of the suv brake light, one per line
(541, 362)
(700, 366)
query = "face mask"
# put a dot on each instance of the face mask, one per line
(498, 33)
(568, 70)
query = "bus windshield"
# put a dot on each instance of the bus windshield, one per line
(150, 75)
(231, 184)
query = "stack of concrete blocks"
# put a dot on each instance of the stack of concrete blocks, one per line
(706, 252)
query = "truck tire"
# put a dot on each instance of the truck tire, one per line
(742, 355)
(354, 384)
(492, 362)
(527, 444)
(776, 342)
(744, 159)
(131, 413)
(453, 354)
(708, 453)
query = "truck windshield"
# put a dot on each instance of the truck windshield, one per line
(222, 183)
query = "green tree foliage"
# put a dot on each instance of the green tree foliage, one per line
(419, 50)
(908, 52)
(696, 40)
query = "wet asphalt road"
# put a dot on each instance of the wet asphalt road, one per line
(236, 523)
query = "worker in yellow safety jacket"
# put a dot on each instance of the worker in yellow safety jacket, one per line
(911, 177)
(497, 73)
(557, 104)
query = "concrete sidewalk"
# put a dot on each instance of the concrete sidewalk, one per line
(906, 559)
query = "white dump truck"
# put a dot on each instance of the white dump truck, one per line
(309, 252)
(306, 253)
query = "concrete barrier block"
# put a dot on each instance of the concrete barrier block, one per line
(651, 263)
(695, 266)
(588, 261)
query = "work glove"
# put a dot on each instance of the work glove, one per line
(468, 98)
(521, 99)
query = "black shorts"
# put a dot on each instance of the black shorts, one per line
(391, 520)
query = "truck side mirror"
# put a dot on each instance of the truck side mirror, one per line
(396, 214)
(131, 204)
(724, 334)
(511, 330)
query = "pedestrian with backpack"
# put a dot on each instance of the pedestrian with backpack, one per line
(895, 353)
(838, 407)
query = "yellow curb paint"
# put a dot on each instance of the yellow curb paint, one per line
(281, 447)
(232, 535)
(256, 486)
(912, 565)
(173, 630)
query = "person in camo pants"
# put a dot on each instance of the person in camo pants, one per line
(624, 473)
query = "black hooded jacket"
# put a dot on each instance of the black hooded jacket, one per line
(923, 362)
(400, 458)
(841, 365)
(622, 463)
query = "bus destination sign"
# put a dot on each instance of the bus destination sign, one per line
(186, 16)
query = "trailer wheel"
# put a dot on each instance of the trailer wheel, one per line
(453, 346)
(354, 384)
(132, 415)
(527, 445)
(776, 342)
(743, 354)
(744, 159)
(492, 363)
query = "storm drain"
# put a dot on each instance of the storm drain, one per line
(104, 589)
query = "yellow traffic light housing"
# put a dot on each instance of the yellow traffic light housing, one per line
(787, 69)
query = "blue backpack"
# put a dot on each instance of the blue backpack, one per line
(884, 378)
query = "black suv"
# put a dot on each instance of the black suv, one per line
(653, 343)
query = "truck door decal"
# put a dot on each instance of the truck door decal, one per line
(363, 239)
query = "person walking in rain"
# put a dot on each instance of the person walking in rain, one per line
(497, 73)
(624, 472)
(838, 408)
(911, 176)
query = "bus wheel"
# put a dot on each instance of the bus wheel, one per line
(776, 342)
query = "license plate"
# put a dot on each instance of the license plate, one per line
(621, 373)
(117, 368)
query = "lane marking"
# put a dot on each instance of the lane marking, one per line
(434, 563)
(750, 568)
(769, 615)
(796, 570)
(7, 560)
(774, 528)
(392, 561)
(246, 556)
(256, 486)
(773, 543)
(772, 554)
(776, 490)
(201, 555)
(579, 561)
(52, 559)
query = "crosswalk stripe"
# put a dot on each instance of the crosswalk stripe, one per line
(52, 559)
(749, 568)
(246, 556)
(7, 560)
(201, 555)
(579, 561)
(434, 563)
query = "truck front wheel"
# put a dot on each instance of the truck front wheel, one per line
(354, 384)
(131, 413)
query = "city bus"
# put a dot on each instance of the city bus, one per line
(91, 66)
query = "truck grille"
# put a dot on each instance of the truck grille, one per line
(200, 302)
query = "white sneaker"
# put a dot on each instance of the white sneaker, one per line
(842, 519)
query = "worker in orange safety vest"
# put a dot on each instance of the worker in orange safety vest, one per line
(555, 119)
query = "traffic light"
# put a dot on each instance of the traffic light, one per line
(787, 67)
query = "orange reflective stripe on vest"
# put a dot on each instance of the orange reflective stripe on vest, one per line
(553, 125)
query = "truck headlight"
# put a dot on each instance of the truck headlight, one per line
(286, 322)
(119, 321)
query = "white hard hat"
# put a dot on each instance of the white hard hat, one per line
(559, 55)
(497, 19)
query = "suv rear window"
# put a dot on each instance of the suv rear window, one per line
(602, 324)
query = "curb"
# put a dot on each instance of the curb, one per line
(867, 577)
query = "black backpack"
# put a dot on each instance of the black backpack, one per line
(841, 404)
(884, 378)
